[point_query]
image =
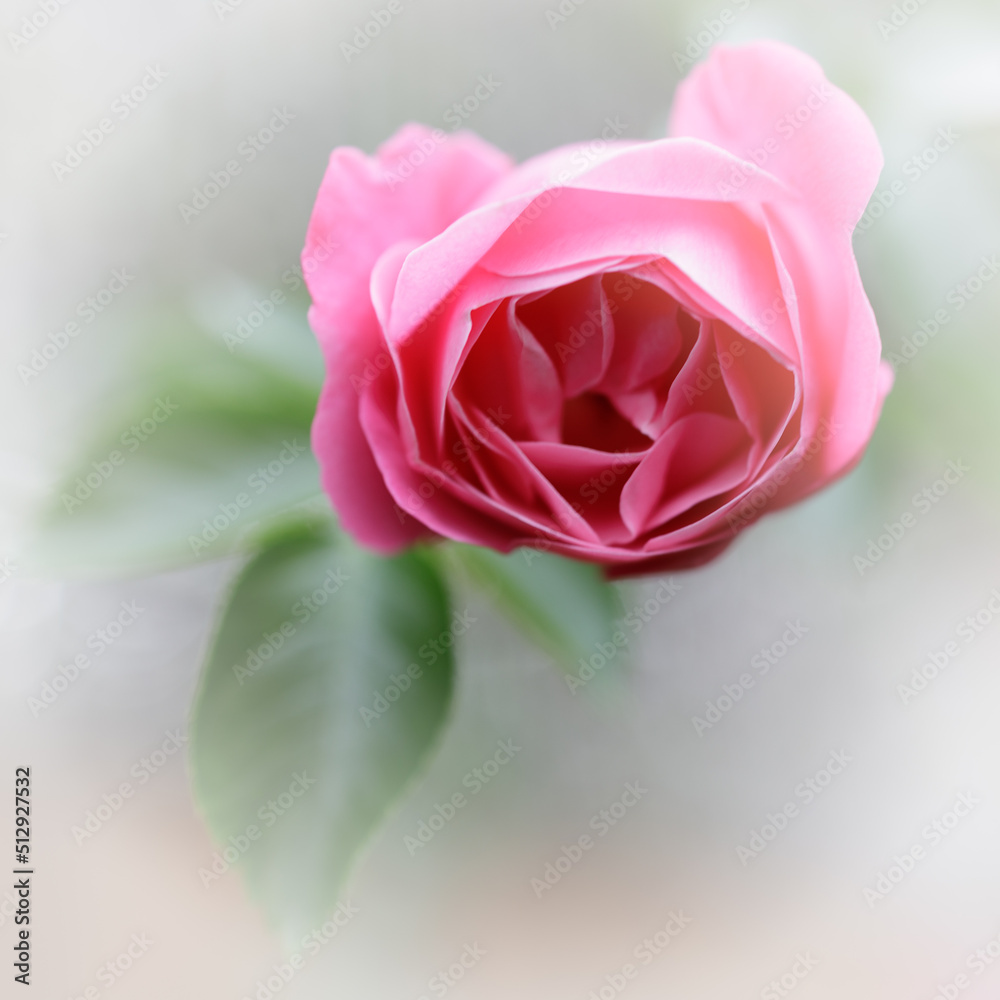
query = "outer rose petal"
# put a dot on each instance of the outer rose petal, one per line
(844, 382)
(741, 99)
(772, 103)
(664, 169)
(363, 209)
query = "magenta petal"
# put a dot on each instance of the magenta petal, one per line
(772, 102)
(700, 456)
(358, 216)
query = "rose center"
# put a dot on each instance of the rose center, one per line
(591, 421)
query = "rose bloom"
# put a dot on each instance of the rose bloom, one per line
(622, 352)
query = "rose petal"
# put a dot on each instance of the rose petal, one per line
(770, 100)
(357, 217)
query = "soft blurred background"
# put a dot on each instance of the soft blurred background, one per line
(795, 918)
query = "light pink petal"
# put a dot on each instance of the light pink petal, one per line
(771, 103)
(591, 481)
(774, 102)
(714, 248)
(572, 323)
(699, 456)
(681, 167)
(764, 394)
(359, 215)
(672, 169)
(843, 381)
(508, 372)
(429, 358)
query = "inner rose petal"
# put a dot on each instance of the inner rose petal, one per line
(574, 325)
(653, 337)
(610, 375)
(700, 456)
(507, 369)
(591, 421)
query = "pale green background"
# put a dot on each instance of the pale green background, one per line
(676, 850)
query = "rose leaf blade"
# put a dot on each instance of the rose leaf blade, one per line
(316, 633)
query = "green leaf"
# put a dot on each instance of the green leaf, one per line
(340, 688)
(568, 607)
(211, 444)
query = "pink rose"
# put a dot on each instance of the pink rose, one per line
(622, 352)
